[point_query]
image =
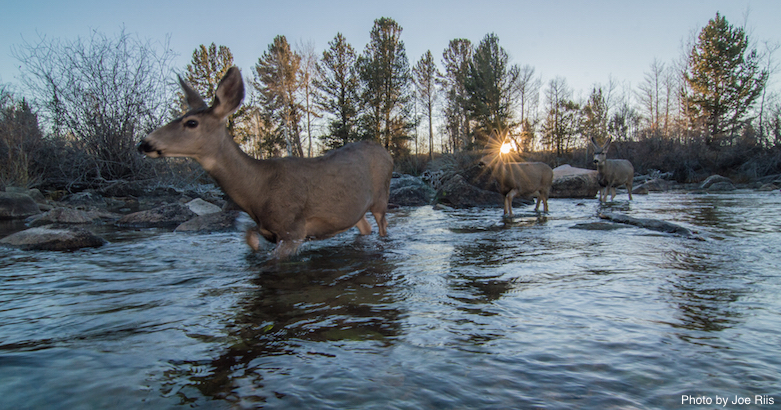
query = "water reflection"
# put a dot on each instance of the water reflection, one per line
(704, 288)
(330, 295)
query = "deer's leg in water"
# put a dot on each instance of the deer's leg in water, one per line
(363, 226)
(382, 223)
(253, 239)
(508, 202)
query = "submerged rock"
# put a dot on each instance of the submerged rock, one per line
(17, 206)
(653, 185)
(169, 215)
(652, 224)
(214, 222)
(71, 216)
(51, 239)
(597, 226)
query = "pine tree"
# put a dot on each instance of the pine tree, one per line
(277, 82)
(385, 75)
(490, 87)
(339, 87)
(425, 76)
(724, 79)
(456, 59)
(204, 72)
(595, 116)
(206, 69)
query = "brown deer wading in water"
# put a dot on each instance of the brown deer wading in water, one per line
(523, 179)
(612, 172)
(291, 199)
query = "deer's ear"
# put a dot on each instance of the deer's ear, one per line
(607, 144)
(229, 93)
(194, 100)
(594, 143)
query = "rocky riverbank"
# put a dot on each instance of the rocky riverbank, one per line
(64, 224)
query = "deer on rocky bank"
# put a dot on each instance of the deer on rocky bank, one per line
(612, 172)
(291, 199)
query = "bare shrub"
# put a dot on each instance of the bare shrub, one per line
(97, 96)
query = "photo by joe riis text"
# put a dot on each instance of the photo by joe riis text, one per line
(727, 400)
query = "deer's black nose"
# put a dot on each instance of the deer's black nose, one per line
(145, 147)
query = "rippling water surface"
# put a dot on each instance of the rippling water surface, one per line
(455, 309)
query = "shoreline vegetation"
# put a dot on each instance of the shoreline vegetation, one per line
(90, 100)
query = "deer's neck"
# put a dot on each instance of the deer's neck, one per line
(235, 172)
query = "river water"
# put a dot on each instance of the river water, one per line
(455, 309)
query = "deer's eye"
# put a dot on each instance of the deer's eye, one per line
(191, 124)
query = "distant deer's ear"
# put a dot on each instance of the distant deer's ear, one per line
(194, 100)
(229, 93)
(607, 144)
(594, 143)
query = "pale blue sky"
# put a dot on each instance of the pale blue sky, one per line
(586, 42)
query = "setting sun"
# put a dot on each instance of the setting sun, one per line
(506, 148)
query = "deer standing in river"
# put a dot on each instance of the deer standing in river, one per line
(612, 172)
(291, 199)
(523, 179)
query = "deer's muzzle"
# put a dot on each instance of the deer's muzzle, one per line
(146, 148)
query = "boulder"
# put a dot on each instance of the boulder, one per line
(458, 193)
(17, 206)
(717, 183)
(33, 193)
(201, 207)
(408, 190)
(572, 182)
(721, 186)
(170, 215)
(214, 222)
(51, 239)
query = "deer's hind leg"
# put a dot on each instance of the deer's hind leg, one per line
(382, 222)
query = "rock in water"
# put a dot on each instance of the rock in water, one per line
(50, 239)
(201, 207)
(217, 222)
(717, 183)
(64, 216)
(165, 216)
(652, 224)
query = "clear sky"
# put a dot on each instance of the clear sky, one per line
(586, 42)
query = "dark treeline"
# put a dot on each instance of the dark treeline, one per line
(91, 100)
